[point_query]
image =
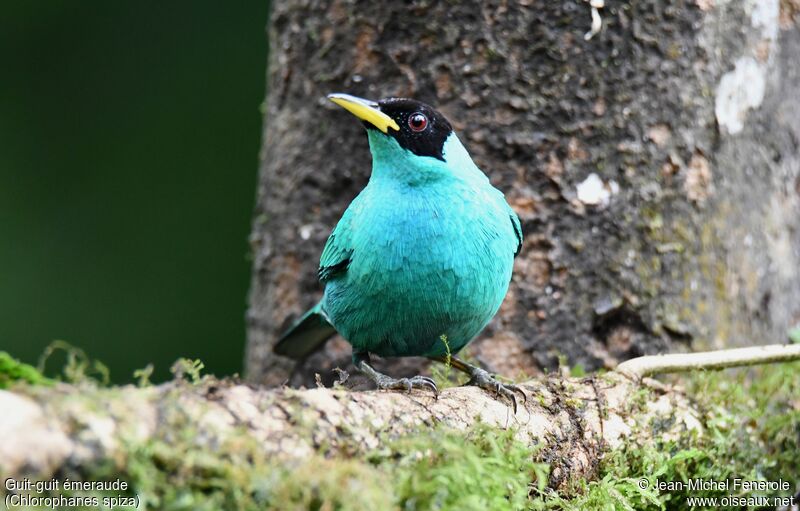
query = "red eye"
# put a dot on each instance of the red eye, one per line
(417, 122)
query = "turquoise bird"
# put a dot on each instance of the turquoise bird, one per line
(421, 259)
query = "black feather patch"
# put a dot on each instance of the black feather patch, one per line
(326, 273)
(517, 233)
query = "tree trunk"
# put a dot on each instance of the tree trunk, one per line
(654, 166)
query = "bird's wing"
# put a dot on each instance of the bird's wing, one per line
(335, 258)
(517, 229)
(338, 249)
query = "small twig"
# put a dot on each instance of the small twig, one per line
(638, 368)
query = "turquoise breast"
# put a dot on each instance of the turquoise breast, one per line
(434, 264)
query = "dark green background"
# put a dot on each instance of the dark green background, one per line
(129, 135)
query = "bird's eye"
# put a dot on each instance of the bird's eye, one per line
(417, 122)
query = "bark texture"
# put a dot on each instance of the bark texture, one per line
(79, 429)
(654, 166)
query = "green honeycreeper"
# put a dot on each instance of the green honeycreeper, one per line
(421, 259)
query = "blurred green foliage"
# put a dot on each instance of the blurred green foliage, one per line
(129, 135)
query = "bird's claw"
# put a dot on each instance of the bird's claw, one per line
(481, 378)
(415, 382)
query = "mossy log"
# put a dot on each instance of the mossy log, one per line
(571, 421)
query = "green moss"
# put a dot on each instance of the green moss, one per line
(609, 493)
(327, 484)
(13, 371)
(142, 376)
(442, 469)
(77, 368)
(577, 371)
(188, 369)
(436, 469)
(752, 431)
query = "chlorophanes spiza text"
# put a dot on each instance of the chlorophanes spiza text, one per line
(422, 258)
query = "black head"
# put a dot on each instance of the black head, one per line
(416, 126)
(423, 130)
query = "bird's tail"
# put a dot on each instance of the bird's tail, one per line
(305, 335)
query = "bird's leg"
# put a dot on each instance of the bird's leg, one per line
(382, 381)
(483, 379)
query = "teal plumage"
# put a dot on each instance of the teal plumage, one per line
(430, 246)
(426, 250)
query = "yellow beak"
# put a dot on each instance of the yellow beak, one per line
(365, 110)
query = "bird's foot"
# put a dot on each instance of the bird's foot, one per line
(388, 383)
(481, 378)
(415, 382)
